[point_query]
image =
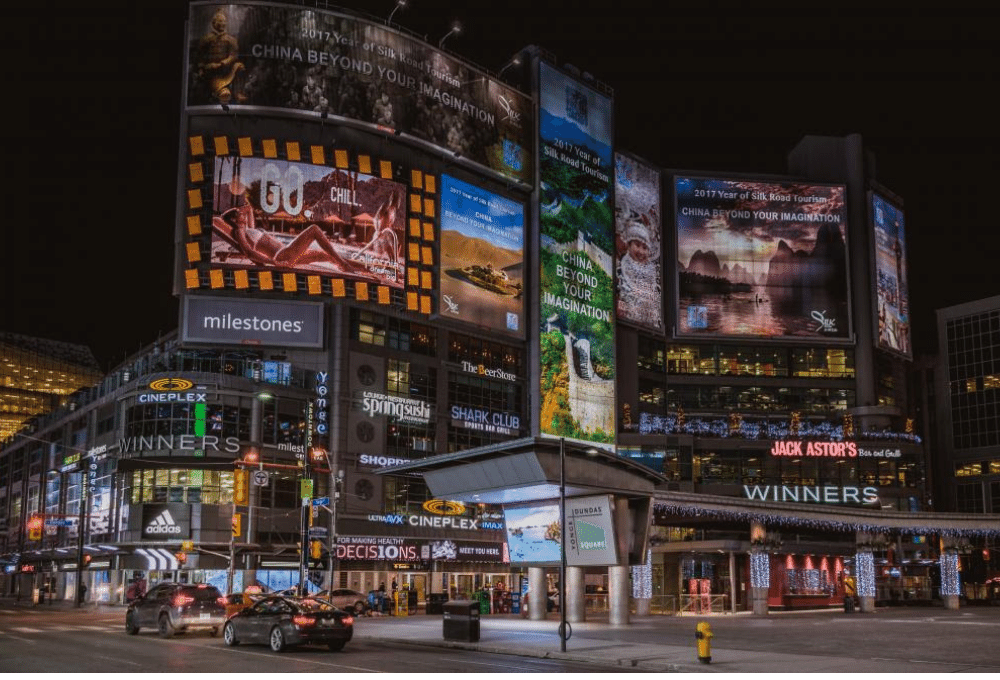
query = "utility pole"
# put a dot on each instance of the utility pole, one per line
(306, 513)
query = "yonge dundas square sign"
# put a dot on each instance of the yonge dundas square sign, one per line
(320, 63)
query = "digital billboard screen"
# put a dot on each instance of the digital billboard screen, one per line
(577, 306)
(892, 291)
(318, 63)
(533, 533)
(307, 219)
(761, 259)
(638, 243)
(482, 257)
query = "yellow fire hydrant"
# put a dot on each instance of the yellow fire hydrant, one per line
(703, 634)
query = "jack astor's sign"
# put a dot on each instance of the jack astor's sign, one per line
(815, 449)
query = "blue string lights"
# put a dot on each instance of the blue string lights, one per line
(951, 578)
(642, 578)
(760, 569)
(739, 427)
(864, 565)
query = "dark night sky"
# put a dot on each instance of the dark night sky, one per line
(91, 159)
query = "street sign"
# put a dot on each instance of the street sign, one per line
(322, 500)
(58, 522)
(261, 477)
(317, 531)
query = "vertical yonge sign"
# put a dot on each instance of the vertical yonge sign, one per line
(577, 297)
(318, 63)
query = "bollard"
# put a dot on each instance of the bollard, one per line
(703, 634)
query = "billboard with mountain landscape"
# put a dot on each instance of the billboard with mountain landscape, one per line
(761, 259)
(577, 306)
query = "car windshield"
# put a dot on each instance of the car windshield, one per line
(201, 594)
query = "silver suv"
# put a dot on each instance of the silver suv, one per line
(173, 607)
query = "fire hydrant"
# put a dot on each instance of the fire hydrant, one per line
(703, 634)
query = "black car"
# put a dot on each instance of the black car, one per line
(177, 607)
(284, 621)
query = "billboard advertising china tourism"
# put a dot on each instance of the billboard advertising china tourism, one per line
(318, 63)
(892, 291)
(482, 257)
(307, 219)
(577, 307)
(638, 243)
(533, 533)
(761, 259)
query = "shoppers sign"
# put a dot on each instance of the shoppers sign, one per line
(851, 495)
(166, 521)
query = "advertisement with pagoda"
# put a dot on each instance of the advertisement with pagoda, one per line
(577, 310)
(761, 259)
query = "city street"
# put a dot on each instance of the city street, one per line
(83, 641)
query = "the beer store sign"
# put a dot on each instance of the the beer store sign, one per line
(480, 369)
(166, 521)
(844, 495)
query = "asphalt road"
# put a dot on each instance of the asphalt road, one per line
(61, 641)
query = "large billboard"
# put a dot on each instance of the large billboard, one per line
(320, 63)
(307, 219)
(577, 306)
(638, 243)
(761, 259)
(892, 290)
(482, 257)
(533, 533)
(590, 532)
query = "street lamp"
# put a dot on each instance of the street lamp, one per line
(400, 4)
(455, 28)
(562, 544)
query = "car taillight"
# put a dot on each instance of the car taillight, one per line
(181, 600)
(347, 620)
(303, 621)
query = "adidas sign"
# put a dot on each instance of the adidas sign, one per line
(163, 524)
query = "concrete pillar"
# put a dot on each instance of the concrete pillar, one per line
(864, 579)
(760, 579)
(576, 604)
(538, 594)
(951, 583)
(759, 601)
(619, 592)
(114, 582)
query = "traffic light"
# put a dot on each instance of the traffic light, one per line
(237, 525)
(181, 557)
(86, 560)
(35, 525)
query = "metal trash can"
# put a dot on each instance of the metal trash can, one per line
(848, 604)
(435, 603)
(461, 620)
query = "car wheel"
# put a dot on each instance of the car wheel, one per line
(229, 635)
(277, 640)
(166, 630)
(359, 607)
(337, 645)
(130, 626)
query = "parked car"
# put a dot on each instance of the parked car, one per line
(177, 607)
(345, 598)
(282, 622)
(236, 602)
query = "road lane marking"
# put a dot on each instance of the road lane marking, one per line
(24, 629)
(15, 637)
(298, 660)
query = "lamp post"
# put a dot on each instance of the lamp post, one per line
(562, 544)
(455, 28)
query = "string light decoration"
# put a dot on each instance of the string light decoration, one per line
(760, 569)
(951, 579)
(652, 423)
(849, 426)
(642, 578)
(796, 422)
(664, 511)
(864, 565)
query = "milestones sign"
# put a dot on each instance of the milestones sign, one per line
(235, 321)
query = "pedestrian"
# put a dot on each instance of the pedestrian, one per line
(83, 593)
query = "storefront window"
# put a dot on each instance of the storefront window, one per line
(181, 486)
(652, 356)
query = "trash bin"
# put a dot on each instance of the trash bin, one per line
(461, 620)
(848, 604)
(435, 603)
(515, 603)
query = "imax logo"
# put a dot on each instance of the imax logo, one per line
(163, 524)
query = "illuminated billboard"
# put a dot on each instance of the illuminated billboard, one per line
(761, 259)
(533, 533)
(577, 306)
(892, 291)
(638, 243)
(307, 219)
(482, 257)
(318, 63)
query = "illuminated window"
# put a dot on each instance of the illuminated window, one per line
(969, 469)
